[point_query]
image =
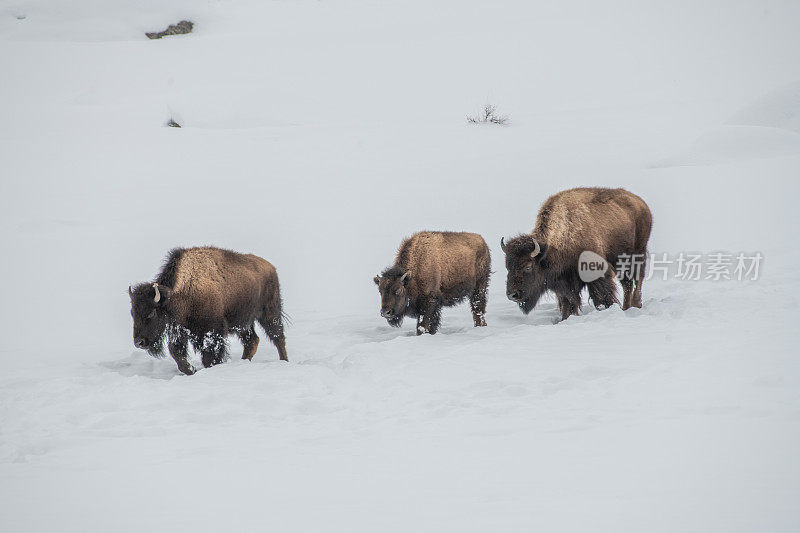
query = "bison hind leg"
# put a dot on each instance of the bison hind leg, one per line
(627, 292)
(477, 302)
(249, 341)
(631, 280)
(273, 327)
(603, 293)
(636, 299)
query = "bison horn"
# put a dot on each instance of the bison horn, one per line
(403, 277)
(536, 249)
(130, 292)
(158, 294)
(502, 245)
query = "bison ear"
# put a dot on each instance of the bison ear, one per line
(541, 255)
(377, 280)
(161, 294)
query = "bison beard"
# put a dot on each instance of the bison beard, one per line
(395, 321)
(527, 304)
(156, 349)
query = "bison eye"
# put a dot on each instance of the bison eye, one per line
(528, 269)
(398, 292)
(152, 314)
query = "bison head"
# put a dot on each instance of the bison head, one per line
(149, 304)
(525, 282)
(393, 286)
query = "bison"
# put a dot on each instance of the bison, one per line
(202, 295)
(613, 223)
(435, 269)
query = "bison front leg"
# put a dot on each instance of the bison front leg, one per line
(568, 305)
(431, 317)
(213, 349)
(249, 342)
(178, 348)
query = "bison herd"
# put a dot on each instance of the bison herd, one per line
(202, 295)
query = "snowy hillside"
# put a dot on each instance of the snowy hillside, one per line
(318, 134)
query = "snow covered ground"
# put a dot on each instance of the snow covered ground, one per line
(318, 135)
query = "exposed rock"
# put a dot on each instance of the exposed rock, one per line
(173, 124)
(180, 28)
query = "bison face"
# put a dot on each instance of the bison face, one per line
(149, 303)
(525, 282)
(393, 286)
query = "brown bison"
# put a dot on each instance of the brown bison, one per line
(613, 223)
(435, 269)
(202, 295)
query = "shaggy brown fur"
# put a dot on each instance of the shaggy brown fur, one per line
(609, 222)
(435, 269)
(206, 294)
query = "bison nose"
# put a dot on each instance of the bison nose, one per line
(387, 313)
(139, 342)
(514, 295)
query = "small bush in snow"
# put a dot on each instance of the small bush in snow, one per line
(489, 115)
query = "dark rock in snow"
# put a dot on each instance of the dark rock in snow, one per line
(173, 124)
(180, 28)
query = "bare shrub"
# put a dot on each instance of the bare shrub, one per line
(489, 115)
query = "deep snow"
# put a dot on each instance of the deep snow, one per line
(318, 135)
